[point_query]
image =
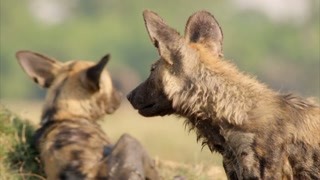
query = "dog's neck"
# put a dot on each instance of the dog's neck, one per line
(57, 114)
(72, 111)
(221, 95)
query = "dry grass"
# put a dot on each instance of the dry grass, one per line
(174, 148)
(172, 170)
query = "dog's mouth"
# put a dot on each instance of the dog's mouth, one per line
(155, 109)
(148, 110)
(148, 106)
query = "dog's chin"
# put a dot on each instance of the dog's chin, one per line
(154, 110)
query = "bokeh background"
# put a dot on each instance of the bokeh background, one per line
(275, 40)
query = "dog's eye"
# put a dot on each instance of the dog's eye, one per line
(156, 43)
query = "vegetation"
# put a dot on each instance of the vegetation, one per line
(18, 159)
(284, 55)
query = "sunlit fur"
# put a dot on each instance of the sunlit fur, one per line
(260, 133)
(240, 107)
(71, 143)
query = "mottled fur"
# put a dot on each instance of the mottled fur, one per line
(71, 143)
(260, 133)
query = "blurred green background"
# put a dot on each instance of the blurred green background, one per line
(273, 40)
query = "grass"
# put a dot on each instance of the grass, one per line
(18, 159)
(166, 139)
(170, 170)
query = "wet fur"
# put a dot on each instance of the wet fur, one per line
(260, 133)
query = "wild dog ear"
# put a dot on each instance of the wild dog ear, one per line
(40, 68)
(203, 28)
(163, 37)
(93, 74)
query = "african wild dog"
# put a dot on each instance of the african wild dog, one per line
(70, 142)
(260, 133)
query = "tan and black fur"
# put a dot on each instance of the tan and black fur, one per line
(260, 133)
(70, 142)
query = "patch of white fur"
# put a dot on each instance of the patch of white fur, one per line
(106, 84)
(172, 84)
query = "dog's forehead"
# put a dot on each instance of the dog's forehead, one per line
(77, 65)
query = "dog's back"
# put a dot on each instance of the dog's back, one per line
(72, 150)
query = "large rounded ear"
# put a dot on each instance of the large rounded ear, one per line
(203, 28)
(92, 75)
(165, 38)
(38, 67)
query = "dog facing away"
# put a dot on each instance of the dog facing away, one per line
(70, 142)
(260, 133)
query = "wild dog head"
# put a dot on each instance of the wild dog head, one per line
(75, 89)
(180, 57)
